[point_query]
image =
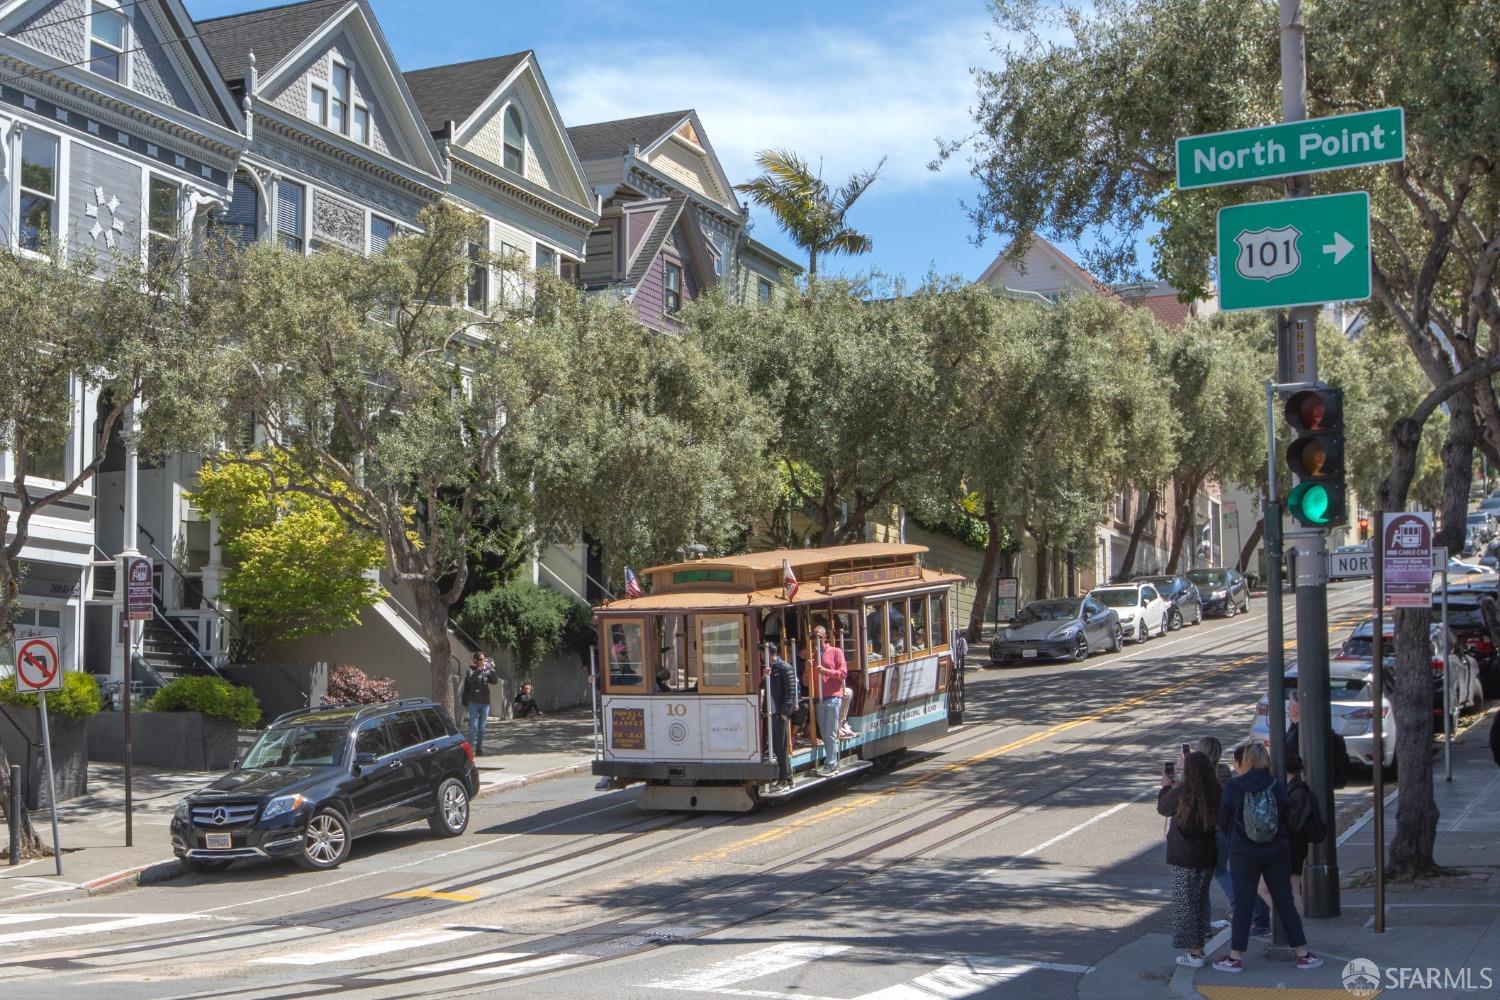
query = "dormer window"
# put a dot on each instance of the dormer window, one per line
(361, 129)
(317, 104)
(515, 141)
(107, 41)
(332, 104)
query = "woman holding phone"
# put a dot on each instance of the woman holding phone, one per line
(1192, 808)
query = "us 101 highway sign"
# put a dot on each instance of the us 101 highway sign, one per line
(1295, 252)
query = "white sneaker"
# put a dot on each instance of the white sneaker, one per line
(1191, 961)
(1218, 925)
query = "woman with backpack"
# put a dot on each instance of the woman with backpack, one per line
(1254, 811)
(1192, 854)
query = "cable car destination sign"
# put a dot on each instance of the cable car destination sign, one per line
(1306, 147)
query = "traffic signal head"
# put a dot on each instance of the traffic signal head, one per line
(1364, 529)
(1316, 456)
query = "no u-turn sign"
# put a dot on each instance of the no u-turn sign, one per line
(38, 667)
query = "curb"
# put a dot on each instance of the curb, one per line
(551, 773)
(156, 872)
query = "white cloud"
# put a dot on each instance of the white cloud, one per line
(847, 96)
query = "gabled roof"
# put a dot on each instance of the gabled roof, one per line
(281, 37)
(1049, 249)
(606, 140)
(272, 32)
(651, 243)
(454, 92)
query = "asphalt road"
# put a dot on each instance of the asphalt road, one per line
(1015, 855)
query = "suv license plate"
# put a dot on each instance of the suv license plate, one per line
(217, 841)
(1028, 653)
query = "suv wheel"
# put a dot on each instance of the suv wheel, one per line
(451, 817)
(326, 843)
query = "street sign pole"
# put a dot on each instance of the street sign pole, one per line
(1275, 640)
(1377, 722)
(51, 784)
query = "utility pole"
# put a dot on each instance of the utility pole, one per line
(1320, 880)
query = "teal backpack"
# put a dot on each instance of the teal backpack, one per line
(1260, 815)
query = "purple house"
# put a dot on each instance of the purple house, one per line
(670, 226)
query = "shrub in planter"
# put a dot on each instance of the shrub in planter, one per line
(78, 699)
(213, 696)
(346, 682)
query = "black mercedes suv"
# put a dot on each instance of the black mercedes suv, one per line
(319, 777)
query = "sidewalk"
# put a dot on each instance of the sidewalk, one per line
(518, 752)
(1442, 935)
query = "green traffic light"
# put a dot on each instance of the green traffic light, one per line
(1309, 503)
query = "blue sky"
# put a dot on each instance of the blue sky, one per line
(841, 82)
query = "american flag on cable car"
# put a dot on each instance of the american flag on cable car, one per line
(788, 580)
(632, 584)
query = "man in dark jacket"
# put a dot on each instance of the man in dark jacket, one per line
(1337, 749)
(476, 697)
(781, 683)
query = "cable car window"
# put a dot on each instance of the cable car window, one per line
(721, 650)
(626, 662)
(875, 631)
(843, 635)
(940, 635)
(896, 615)
(919, 630)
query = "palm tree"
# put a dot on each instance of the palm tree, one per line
(812, 214)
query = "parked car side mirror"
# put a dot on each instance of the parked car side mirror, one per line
(363, 760)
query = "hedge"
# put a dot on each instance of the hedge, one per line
(78, 699)
(213, 696)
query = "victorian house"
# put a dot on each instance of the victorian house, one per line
(113, 142)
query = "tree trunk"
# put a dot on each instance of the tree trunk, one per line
(1411, 853)
(985, 584)
(1183, 502)
(1043, 570)
(1458, 473)
(1250, 544)
(31, 844)
(1148, 511)
(432, 611)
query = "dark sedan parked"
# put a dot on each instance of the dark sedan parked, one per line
(1063, 628)
(1224, 591)
(1474, 616)
(1184, 605)
(320, 777)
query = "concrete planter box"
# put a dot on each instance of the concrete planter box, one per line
(178, 741)
(21, 727)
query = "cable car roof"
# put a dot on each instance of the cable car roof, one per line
(760, 561)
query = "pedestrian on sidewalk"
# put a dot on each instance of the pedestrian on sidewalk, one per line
(1305, 822)
(1254, 810)
(781, 688)
(476, 697)
(1193, 810)
(832, 670)
(524, 703)
(1211, 748)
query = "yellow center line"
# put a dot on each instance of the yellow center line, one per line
(848, 805)
(459, 896)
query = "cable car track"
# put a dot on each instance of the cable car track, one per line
(664, 910)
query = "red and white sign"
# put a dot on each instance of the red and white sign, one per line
(38, 667)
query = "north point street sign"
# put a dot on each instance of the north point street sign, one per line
(1295, 252)
(1305, 147)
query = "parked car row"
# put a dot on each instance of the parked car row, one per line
(1073, 628)
(1350, 676)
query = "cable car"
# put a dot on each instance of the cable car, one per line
(681, 702)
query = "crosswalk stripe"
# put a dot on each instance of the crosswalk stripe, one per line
(101, 927)
(460, 964)
(380, 946)
(761, 962)
(957, 979)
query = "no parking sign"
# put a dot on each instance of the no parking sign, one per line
(38, 667)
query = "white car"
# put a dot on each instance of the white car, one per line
(1143, 612)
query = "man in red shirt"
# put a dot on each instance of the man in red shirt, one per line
(832, 671)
